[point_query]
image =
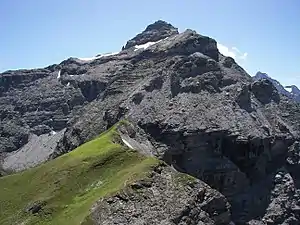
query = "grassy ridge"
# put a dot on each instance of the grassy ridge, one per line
(69, 185)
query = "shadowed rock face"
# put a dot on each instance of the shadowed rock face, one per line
(201, 112)
(264, 91)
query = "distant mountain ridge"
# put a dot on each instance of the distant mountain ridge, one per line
(291, 91)
(294, 90)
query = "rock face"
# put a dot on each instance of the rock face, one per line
(165, 197)
(201, 112)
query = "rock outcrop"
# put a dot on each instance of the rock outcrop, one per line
(164, 197)
(201, 112)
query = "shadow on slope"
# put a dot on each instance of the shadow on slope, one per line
(243, 170)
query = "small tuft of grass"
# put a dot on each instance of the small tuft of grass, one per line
(69, 185)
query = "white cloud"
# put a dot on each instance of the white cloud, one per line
(232, 52)
(226, 51)
(244, 56)
(235, 49)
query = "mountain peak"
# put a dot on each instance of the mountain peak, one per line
(153, 32)
(160, 25)
(294, 89)
(261, 75)
(290, 91)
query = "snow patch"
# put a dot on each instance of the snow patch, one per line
(98, 56)
(146, 45)
(126, 143)
(52, 132)
(58, 75)
(90, 59)
(68, 84)
(109, 54)
(289, 89)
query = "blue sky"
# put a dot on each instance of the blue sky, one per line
(261, 34)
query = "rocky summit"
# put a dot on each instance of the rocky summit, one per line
(224, 148)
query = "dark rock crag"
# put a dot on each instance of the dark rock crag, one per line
(201, 112)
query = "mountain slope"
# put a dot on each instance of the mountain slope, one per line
(63, 190)
(189, 106)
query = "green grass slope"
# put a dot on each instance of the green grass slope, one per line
(67, 187)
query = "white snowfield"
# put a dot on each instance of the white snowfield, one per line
(98, 57)
(58, 75)
(127, 143)
(288, 89)
(136, 47)
(147, 45)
